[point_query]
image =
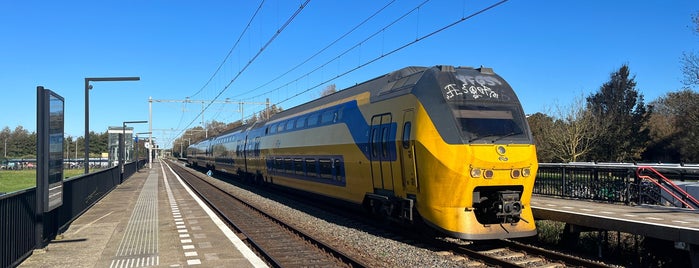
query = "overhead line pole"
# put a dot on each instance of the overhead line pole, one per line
(187, 100)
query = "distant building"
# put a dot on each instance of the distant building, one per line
(114, 133)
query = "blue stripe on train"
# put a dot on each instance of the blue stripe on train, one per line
(359, 129)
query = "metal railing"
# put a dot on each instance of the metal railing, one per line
(17, 233)
(613, 183)
(18, 219)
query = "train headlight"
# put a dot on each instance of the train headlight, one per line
(475, 172)
(515, 173)
(488, 174)
(526, 172)
(501, 150)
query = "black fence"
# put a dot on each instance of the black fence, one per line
(613, 183)
(18, 219)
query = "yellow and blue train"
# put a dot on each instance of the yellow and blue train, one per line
(446, 146)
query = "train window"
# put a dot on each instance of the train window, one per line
(288, 165)
(311, 167)
(298, 166)
(374, 143)
(478, 122)
(313, 119)
(325, 168)
(327, 117)
(384, 144)
(290, 125)
(273, 129)
(406, 135)
(300, 123)
(338, 114)
(339, 171)
(280, 127)
(276, 164)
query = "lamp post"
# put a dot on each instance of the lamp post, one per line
(122, 159)
(87, 110)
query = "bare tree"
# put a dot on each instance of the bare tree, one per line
(690, 60)
(330, 89)
(573, 133)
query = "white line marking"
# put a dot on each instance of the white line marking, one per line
(191, 254)
(186, 241)
(188, 247)
(193, 262)
(627, 220)
(247, 252)
(90, 223)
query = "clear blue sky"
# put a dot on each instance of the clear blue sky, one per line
(549, 51)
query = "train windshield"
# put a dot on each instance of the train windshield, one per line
(490, 122)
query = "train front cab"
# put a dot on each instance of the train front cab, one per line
(476, 159)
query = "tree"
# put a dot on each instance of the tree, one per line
(674, 128)
(569, 136)
(540, 125)
(690, 60)
(619, 109)
(330, 89)
(5, 137)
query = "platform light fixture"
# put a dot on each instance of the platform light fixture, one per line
(87, 110)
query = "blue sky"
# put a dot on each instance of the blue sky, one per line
(549, 51)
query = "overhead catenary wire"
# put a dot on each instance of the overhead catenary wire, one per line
(326, 47)
(358, 44)
(262, 49)
(361, 65)
(235, 45)
(418, 39)
(225, 59)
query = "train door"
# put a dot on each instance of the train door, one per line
(245, 154)
(407, 154)
(380, 153)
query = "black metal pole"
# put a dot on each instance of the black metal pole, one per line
(87, 125)
(87, 110)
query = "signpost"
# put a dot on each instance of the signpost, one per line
(49, 173)
(49, 152)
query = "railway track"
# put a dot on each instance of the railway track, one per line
(506, 253)
(497, 253)
(280, 244)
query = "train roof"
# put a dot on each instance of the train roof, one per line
(405, 81)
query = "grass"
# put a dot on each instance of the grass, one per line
(15, 180)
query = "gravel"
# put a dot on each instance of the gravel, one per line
(376, 247)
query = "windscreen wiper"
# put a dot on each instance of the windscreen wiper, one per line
(507, 135)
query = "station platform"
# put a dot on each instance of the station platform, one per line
(672, 224)
(151, 220)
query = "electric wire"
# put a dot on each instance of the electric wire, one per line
(358, 44)
(262, 49)
(232, 48)
(417, 39)
(323, 49)
(396, 49)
